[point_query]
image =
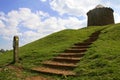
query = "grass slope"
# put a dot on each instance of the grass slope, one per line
(101, 61)
(49, 46)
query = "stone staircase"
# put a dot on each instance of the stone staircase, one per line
(65, 62)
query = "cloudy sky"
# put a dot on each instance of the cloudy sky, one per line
(34, 19)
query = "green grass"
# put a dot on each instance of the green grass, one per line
(7, 74)
(101, 61)
(34, 53)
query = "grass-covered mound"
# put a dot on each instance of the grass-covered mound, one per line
(101, 61)
(33, 53)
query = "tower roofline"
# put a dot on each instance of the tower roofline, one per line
(100, 8)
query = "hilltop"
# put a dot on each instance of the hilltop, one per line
(101, 61)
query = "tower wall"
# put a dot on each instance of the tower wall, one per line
(100, 17)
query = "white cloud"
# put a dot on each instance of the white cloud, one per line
(32, 22)
(29, 36)
(1, 24)
(72, 23)
(15, 19)
(42, 14)
(73, 7)
(117, 17)
(30, 26)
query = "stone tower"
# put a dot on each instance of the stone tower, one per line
(100, 16)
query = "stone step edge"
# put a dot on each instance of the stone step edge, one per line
(77, 49)
(62, 54)
(54, 63)
(54, 71)
(68, 58)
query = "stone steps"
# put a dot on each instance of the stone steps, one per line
(60, 65)
(75, 50)
(54, 71)
(80, 47)
(67, 59)
(83, 44)
(92, 39)
(64, 63)
(71, 54)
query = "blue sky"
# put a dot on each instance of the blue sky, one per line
(34, 19)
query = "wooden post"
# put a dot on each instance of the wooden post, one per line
(15, 49)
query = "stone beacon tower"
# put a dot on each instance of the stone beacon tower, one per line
(100, 16)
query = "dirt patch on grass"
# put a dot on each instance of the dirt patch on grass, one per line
(18, 70)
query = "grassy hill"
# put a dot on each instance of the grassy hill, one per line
(101, 61)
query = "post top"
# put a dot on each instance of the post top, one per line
(16, 38)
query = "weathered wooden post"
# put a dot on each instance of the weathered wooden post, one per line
(15, 49)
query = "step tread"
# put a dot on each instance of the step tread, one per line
(54, 71)
(75, 50)
(78, 49)
(84, 43)
(68, 58)
(81, 46)
(60, 63)
(72, 54)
